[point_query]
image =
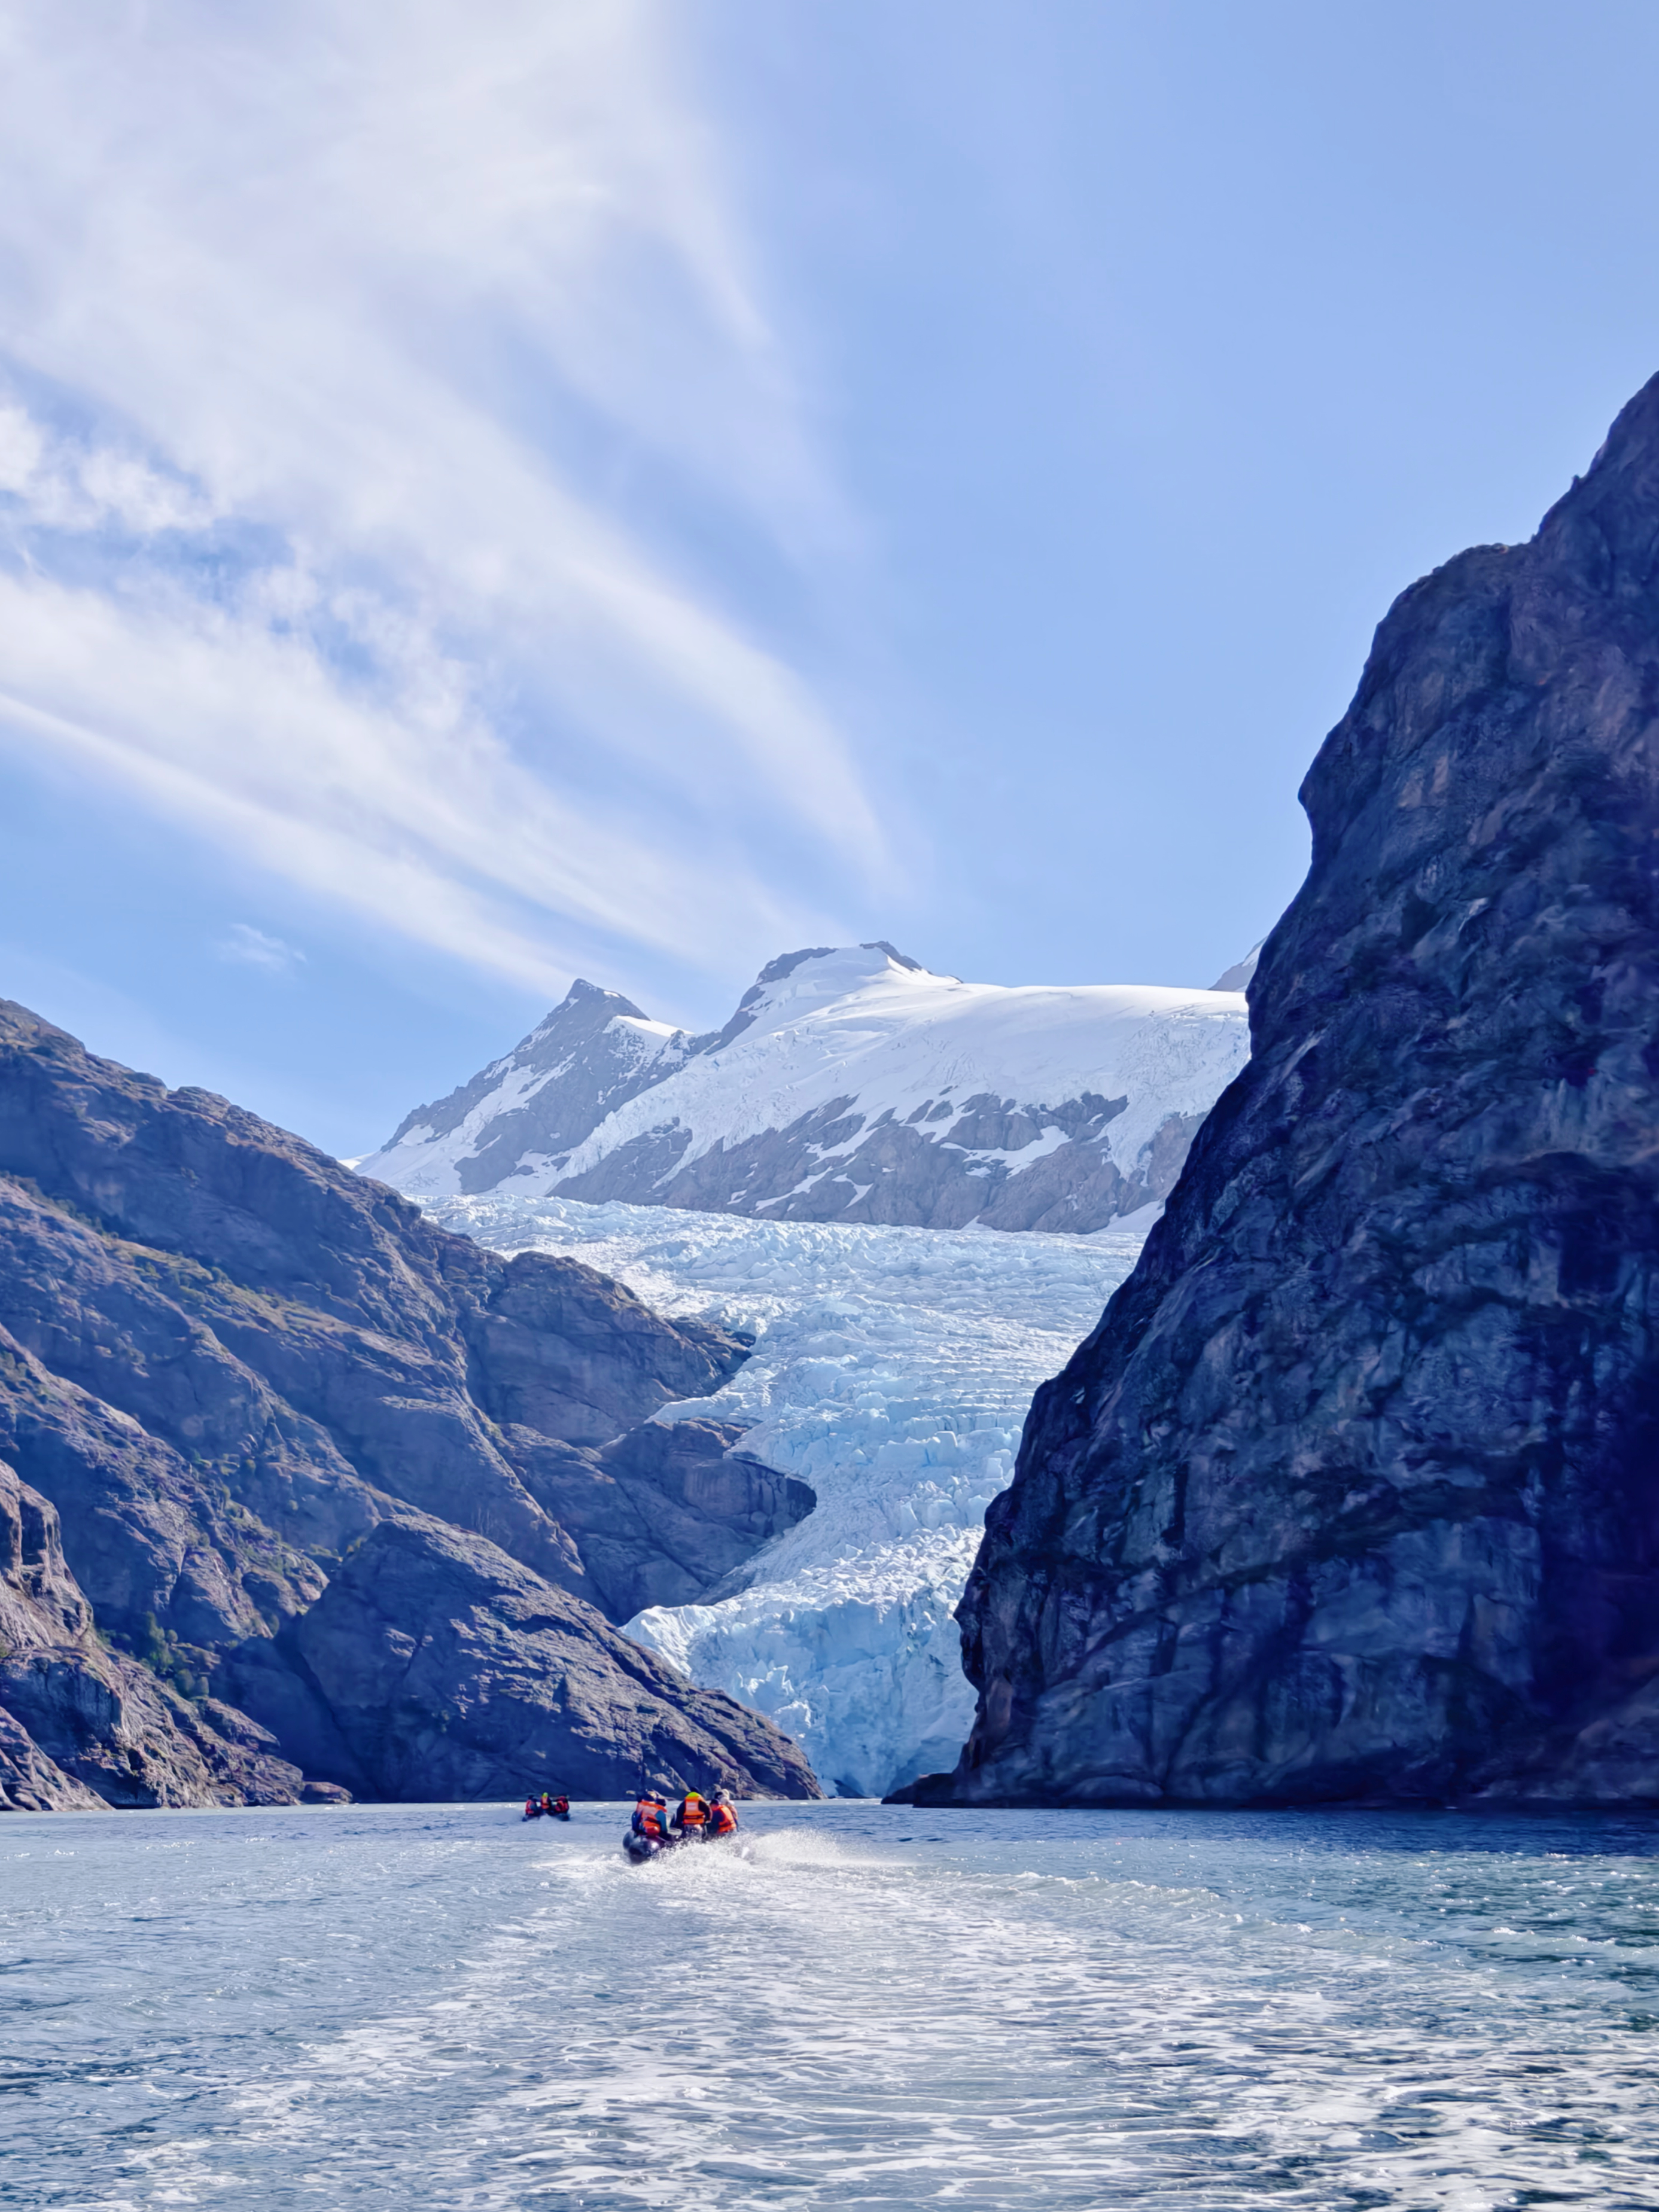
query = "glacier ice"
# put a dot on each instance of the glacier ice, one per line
(892, 1369)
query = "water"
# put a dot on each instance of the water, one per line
(435, 2007)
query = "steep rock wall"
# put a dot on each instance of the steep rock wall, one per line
(83, 1727)
(1354, 1492)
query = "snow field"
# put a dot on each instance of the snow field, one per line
(855, 1023)
(892, 1370)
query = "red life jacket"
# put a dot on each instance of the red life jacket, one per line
(722, 1821)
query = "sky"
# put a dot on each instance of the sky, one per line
(497, 492)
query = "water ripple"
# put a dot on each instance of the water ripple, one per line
(437, 2007)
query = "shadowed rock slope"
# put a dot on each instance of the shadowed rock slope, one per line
(1354, 1492)
(83, 1726)
(232, 1374)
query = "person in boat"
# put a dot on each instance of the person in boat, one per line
(722, 1818)
(692, 1818)
(547, 1806)
(532, 1811)
(651, 1819)
(561, 1807)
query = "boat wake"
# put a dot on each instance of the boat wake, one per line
(869, 2006)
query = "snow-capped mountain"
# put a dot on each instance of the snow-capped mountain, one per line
(594, 1052)
(850, 1086)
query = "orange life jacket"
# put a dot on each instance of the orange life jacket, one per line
(722, 1821)
(693, 1813)
(650, 1819)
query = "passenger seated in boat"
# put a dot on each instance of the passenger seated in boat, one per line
(722, 1819)
(651, 1819)
(692, 1816)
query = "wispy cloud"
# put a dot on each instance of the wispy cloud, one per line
(255, 948)
(62, 483)
(334, 331)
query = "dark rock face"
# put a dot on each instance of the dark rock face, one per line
(224, 1361)
(1354, 1493)
(664, 1514)
(82, 1727)
(452, 1672)
(826, 1166)
(569, 1353)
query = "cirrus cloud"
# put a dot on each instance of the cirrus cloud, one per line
(371, 373)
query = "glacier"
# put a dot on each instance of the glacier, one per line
(892, 1369)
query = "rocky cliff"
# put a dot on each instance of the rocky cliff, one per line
(849, 1085)
(1354, 1492)
(82, 1726)
(256, 1411)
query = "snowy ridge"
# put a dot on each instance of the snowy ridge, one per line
(892, 1370)
(853, 1086)
(897, 1040)
(591, 1053)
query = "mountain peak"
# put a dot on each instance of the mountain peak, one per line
(778, 970)
(899, 959)
(848, 971)
(850, 1084)
(584, 994)
(785, 964)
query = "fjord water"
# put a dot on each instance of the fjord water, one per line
(435, 2007)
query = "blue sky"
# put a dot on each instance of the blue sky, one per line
(496, 491)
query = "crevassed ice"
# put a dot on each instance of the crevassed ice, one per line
(892, 1370)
